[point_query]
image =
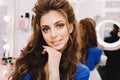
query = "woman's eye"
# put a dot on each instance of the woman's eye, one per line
(45, 29)
(60, 25)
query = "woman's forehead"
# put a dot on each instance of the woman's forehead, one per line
(52, 17)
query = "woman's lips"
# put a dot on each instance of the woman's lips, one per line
(57, 42)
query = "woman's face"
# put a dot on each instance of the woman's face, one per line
(55, 30)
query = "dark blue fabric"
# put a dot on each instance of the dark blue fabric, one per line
(27, 77)
(82, 73)
(93, 57)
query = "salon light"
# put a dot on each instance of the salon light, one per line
(99, 27)
(6, 18)
(6, 47)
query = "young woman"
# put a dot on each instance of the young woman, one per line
(91, 53)
(53, 51)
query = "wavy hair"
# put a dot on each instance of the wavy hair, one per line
(33, 61)
(88, 36)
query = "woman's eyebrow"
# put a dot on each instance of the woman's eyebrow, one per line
(44, 26)
(58, 21)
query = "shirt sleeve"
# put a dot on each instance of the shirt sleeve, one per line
(82, 72)
(99, 53)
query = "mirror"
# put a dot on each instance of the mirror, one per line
(104, 29)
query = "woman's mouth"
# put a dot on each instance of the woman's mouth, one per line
(57, 42)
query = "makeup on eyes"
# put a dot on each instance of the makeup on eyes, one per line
(59, 24)
(45, 28)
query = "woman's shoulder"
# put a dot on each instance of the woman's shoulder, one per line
(99, 49)
(96, 48)
(82, 72)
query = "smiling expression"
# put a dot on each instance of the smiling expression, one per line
(55, 30)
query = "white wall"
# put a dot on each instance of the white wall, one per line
(96, 8)
(90, 9)
(21, 36)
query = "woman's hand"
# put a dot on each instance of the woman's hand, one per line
(54, 58)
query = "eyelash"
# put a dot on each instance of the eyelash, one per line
(45, 29)
(61, 25)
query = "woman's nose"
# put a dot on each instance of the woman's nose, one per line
(53, 33)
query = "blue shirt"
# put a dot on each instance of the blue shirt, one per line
(93, 57)
(82, 73)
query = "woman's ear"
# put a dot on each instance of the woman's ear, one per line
(71, 28)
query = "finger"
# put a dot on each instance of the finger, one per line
(44, 51)
(44, 46)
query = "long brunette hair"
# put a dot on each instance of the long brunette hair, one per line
(32, 60)
(88, 36)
